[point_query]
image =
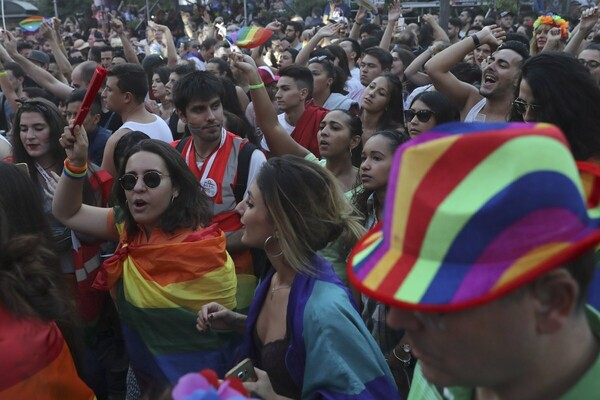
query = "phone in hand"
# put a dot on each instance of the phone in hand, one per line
(244, 371)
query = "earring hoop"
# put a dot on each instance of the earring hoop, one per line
(267, 243)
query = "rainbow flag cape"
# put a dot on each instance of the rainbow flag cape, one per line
(250, 37)
(31, 24)
(36, 362)
(160, 286)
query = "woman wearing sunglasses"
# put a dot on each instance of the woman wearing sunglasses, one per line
(168, 263)
(427, 110)
(556, 88)
(302, 331)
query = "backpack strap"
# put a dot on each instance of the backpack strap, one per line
(181, 144)
(243, 169)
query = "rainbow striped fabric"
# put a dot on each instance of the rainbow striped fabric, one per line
(250, 37)
(160, 287)
(473, 211)
(36, 362)
(31, 24)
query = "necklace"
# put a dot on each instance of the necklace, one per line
(273, 290)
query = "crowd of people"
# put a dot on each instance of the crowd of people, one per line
(362, 205)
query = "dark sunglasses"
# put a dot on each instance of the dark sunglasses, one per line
(521, 106)
(151, 179)
(422, 115)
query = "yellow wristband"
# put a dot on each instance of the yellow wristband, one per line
(257, 86)
(3, 73)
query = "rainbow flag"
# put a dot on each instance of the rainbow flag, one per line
(31, 24)
(250, 37)
(36, 362)
(160, 286)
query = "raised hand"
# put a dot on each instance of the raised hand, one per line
(47, 31)
(554, 35)
(361, 15)
(117, 25)
(492, 35)
(10, 43)
(394, 11)
(75, 143)
(589, 18)
(329, 30)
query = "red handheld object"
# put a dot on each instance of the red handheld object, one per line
(91, 93)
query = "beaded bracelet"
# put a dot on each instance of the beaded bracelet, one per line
(257, 86)
(74, 172)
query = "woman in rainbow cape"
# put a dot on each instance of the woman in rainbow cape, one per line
(36, 310)
(168, 263)
(303, 332)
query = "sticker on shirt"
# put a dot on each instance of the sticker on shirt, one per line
(210, 187)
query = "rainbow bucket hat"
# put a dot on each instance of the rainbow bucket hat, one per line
(472, 212)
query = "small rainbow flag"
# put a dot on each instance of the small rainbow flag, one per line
(250, 37)
(31, 24)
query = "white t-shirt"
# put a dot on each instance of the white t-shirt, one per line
(288, 128)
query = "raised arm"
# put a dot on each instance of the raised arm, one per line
(413, 72)
(128, 49)
(61, 59)
(394, 12)
(461, 94)
(279, 142)
(168, 38)
(438, 32)
(325, 32)
(39, 75)
(67, 205)
(589, 18)
(358, 21)
(187, 24)
(7, 89)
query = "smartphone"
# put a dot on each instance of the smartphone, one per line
(23, 167)
(400, 24)
(244, 371)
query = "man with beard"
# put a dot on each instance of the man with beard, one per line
(224, 163)
(293, 30)
(493, 101)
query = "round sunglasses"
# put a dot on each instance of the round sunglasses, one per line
(422, 115)
(151, 179)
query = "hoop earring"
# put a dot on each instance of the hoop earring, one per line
(267, 243)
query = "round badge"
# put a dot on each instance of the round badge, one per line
(210, 187)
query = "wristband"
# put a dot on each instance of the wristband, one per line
(475, 40)
(257, 86)
(74, 172)
(3, 73)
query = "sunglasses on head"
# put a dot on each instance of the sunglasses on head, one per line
(151, 179)
(521, 106)
(422, 115)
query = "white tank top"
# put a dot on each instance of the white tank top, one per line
(475, 110)
(156, 130)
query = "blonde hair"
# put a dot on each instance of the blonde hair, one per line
(308, 209)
